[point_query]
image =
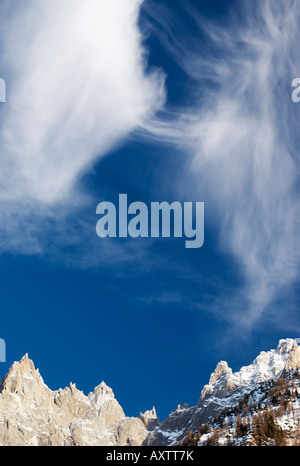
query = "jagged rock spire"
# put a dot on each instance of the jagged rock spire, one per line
(32, 414)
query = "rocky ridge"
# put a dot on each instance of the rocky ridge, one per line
(32, 414)
(225, 390)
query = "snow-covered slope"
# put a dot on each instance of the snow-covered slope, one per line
(225, 390)
(266, 366)
(32, 414)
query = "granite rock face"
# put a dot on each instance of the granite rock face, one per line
(32, 414)
(150, 419)
(226, 389)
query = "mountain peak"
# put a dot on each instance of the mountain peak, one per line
(150, 419)
(26, 364)
(102, 399)
(32, 414)
(21, 374)
(293, 359)
(103, 391)
(227, 390)
(104, 386)
(285, 345)
(267, 365)
(221, 369)
(70, 417)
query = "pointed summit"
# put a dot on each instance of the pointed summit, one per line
(150, 419)
(103, 400)
(221, 369)
(26, 364)
(23, 378)
(102, 393)
(32, 414)
(293, 358)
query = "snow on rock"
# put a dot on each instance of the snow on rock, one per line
(267, 365)
(32, 414)
(150, 419)
(226, 389)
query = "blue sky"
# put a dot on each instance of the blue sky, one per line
(164, 101)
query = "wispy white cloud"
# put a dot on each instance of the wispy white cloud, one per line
(77, 85)
(241, 135)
